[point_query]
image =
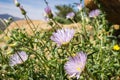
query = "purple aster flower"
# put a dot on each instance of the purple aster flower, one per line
(79, 6)
(70, 15)
(63, 36)
(18, 58)
(76, 65)
(94, 13)
(48, 12)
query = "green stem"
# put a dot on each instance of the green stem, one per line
(77, 26)
(29, 24)
(59, 26)
(89, 75)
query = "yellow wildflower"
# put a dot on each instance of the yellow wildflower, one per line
(116, 47)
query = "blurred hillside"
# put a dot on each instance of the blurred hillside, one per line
(6, 16)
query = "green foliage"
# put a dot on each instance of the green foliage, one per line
(63, 10)
(46, 60)
(62, 20)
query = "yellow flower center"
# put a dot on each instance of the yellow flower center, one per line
(78, 69)
(73, 54)
(65, 43)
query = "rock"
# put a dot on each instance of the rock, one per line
(111, 7)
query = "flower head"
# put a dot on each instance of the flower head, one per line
(48, 12)
(70, 15)
(18, 58)
(116, 47)
(63, 36)
(94, 13)
(76, 65)
(79, 6)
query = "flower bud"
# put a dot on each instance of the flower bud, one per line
(48, 12)
(50, 23)
(22, 10)
(16, 3)
(10, 19)
(116, 27)
(32, 56)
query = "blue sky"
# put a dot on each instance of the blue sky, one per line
(34, 8)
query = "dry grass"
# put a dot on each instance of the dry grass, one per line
(27, 25)
(40, 25)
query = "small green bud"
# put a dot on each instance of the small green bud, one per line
(9, 41)
(5, 47)
(16, 3)
(10, 19)
(50, 23)
(22, 10)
